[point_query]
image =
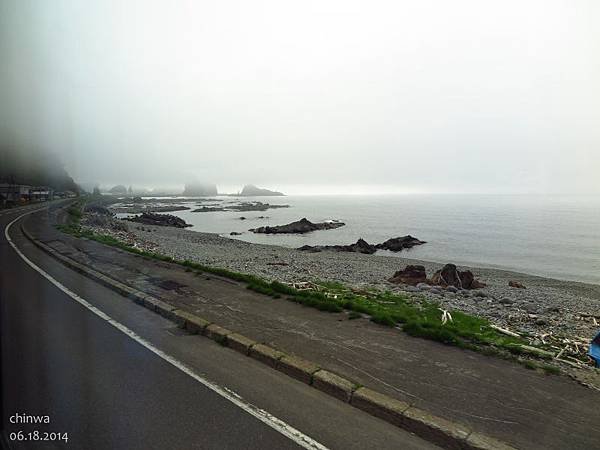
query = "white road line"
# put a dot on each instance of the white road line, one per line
(279, 425)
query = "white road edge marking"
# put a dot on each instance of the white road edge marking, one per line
(277, 424)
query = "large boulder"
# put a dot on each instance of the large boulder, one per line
(299, 227)
(399, 243)
(412, 274)
(449, 275)
(468, 280)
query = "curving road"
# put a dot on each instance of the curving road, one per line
(113, 375)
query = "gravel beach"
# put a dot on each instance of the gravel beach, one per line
(545, 306)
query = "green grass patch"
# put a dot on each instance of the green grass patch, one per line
(530, 365)
(550, 370)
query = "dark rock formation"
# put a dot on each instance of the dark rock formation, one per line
(361, 246)
(118, 189)
(255, 206)
(412, 275)
(468, 280)
(312, 248)
(299, 227)
(199, 190)
(399, 243)
(164, 220)
(235, 233)
(449, 275)
(167, 208)
(209, 209)
(252, 191)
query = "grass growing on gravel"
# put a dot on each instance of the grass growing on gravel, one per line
(74, 214)
(417, 317)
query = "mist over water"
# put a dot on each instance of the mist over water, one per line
(553, 236)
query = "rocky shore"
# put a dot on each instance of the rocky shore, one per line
(549, 310)
(362, 246)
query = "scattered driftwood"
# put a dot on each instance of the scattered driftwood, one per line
(592, 316)
(561, 352)
(446, 316)
(304, 285)
(504, 331)
(536, 351)
(577, 365)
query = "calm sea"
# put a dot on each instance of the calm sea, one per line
(553, 236)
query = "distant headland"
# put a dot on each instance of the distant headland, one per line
(250, 190)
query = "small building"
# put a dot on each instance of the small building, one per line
(14, 194)
(41, 194)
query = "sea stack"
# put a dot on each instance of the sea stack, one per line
(252, 191)
(199, 189)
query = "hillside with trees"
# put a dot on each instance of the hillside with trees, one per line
(34, 168)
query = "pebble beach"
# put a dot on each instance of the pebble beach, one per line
(545, 307)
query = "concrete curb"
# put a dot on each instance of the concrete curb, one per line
(334, 385)
(434, 429)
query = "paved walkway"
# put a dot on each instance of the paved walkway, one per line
(495, 397)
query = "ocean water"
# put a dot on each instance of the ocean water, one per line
(552, 236)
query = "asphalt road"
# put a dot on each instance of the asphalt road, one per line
(157, 389)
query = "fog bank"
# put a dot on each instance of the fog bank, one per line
(358, 96)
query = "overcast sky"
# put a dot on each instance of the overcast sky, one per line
(305, 96)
